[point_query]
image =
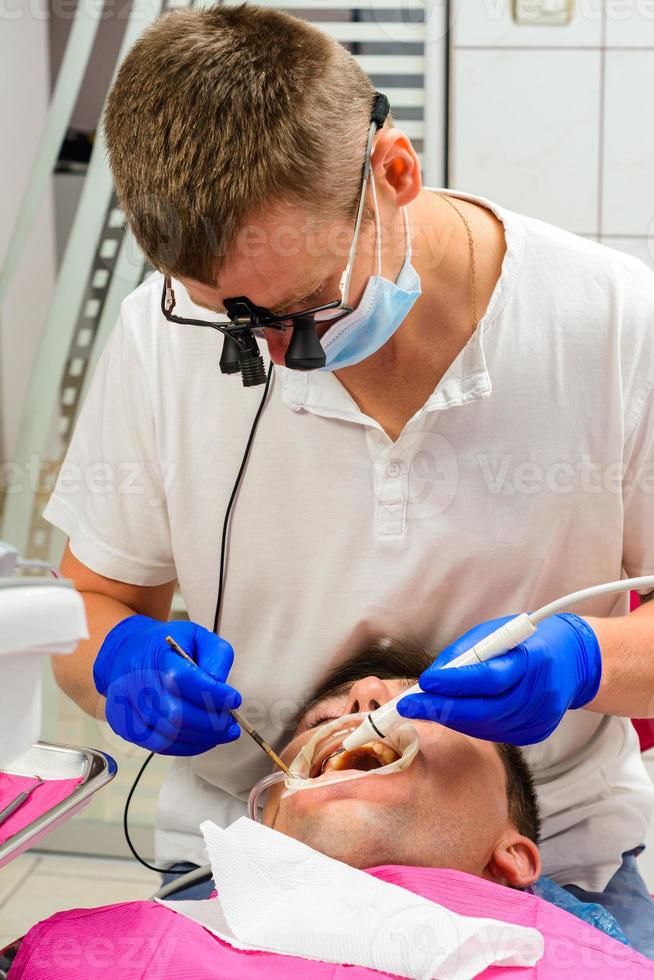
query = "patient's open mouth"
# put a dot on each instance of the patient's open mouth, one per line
(322, 760)
(372, 755)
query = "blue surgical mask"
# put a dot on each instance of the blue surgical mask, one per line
(384, 305)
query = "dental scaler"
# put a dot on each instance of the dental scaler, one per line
(382, 721)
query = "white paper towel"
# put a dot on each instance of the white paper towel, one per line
(279, 895)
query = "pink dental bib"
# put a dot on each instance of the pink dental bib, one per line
(138, 940)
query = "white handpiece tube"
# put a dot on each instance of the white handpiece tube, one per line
(381, 722)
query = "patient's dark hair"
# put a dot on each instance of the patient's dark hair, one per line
(388, 658)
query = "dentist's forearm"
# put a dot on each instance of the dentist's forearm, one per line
(107, 603)
(627, 645)
(74, 672)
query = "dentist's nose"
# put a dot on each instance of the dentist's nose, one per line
(367, 695)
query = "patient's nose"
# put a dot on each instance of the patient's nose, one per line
(367, 695)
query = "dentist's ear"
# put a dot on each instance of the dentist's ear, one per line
(396, 166)
(515, 861)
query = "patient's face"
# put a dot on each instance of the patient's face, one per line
(448, 809)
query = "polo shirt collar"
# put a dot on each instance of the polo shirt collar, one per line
(466, 379)
(321, 392)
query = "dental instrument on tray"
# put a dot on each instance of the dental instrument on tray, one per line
(382, 721)
(18, 802)
(236, 715)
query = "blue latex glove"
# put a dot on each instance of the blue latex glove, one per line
(158, 700)
(518, 697)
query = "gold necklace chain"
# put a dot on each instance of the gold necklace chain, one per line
(471, 246)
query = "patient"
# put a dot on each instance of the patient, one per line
(457, 826)
(469, 804)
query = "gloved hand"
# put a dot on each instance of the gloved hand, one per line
(518, 697)
(158, 700)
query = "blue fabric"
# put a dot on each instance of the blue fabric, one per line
(382, 309)
(627, 898)
(591, 912)
(198, 889)
(518, 697)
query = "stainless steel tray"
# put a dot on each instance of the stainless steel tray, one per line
(50, 761)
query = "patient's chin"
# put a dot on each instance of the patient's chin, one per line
(359, 832)
(348, 834)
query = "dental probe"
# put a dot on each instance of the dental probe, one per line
(19, 800)
(236, 715)
(385, 719)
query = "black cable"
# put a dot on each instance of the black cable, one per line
(244, 461)
(447, 91)
(126, 814)
(219, 602)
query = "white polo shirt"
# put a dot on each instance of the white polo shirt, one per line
(527, 474)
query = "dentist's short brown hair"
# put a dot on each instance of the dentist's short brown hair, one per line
(219, 114)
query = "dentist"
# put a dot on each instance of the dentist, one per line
(478, 442)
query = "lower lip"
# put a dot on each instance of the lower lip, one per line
(335, 774)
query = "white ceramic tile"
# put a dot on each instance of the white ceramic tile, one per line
(525, 132)
(491, 23)
(74, 866)
(630, 24)
(41, 895)
(14, 873)
(628, 197)
(643, 249)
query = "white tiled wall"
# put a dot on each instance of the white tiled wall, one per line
(630, 25)
(628, 199)
(519, 138)
(556, 121)
(489, 23)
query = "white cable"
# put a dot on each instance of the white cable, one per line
(378, 243)
(623, 585)
(384, 720)
(344, 285)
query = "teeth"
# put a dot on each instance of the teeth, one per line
(372, 755)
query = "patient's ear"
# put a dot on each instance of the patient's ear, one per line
(515, 861)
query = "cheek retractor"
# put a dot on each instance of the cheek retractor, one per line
(323, 753)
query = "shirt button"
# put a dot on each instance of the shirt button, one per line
(394, 468)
